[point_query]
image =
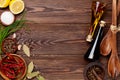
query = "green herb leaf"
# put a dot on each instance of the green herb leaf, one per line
(32, 75)
(39, 77)
(30, 67)
(26, 50)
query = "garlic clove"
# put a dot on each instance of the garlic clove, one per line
(14, 36)
(19, 47)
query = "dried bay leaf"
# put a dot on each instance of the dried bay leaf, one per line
(26, 50)
(32, 75)
(30, 67)
(39, 77)
(24, 78)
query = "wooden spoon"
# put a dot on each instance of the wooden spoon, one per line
(109, 44)
(118, 8)
(113, 63)
(105, 47)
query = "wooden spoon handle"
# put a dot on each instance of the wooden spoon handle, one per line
(114, 12)
(118, 8)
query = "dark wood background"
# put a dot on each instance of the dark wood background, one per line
(56, 32)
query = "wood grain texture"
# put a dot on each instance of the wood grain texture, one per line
(56, 32)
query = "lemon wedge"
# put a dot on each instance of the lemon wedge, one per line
(16, 6)
(4, 3)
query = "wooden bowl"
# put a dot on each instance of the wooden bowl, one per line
(98, 68)
(9, 45)
(23, 71)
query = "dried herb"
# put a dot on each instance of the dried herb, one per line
(30, 67)
(26, 50)
(32, 75)
(40, 77)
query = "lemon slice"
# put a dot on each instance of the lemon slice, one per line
(4, 3)
(16, 6)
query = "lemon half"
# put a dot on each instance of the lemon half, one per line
(4, 3)
(16, 6)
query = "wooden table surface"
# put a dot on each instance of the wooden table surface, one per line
(56, 32)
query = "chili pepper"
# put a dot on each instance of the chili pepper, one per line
(9, 75)
(9, 61)
(8, 72)
(11, 66)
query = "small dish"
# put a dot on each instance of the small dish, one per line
(9, 45)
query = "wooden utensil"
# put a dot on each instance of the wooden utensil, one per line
(109, 44)
(105, 47)
(118, 8)
(113, 63)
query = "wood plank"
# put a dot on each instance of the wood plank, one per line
(60, 11)
(55, 39)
